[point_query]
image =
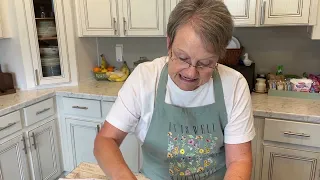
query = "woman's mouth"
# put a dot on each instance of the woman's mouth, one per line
(186, 79)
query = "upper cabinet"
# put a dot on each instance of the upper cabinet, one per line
(5, 31)
(287, 12)
(242, 11)
(90, 14)
(120, 18)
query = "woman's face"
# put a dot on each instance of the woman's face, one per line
(186, 49)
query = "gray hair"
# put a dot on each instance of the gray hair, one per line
(211, 20)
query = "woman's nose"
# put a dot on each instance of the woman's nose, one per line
(191, 72)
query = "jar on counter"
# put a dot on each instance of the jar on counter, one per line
(261, 86)
(280, 85)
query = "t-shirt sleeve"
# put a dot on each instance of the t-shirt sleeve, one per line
(125, 112)
(240, 127)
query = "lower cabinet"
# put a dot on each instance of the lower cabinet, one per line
(80, 136)
(13, 164)
(80, 143)
(283, 163)
(45, 152)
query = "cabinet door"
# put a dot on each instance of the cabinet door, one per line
(282, 164)
(48, 41)
(243, 11)
(13, 165)
(130, 152)
(170, 5)
(81, 135)
(45, 152)
(142, 17)
(97, 17)
(276, 12)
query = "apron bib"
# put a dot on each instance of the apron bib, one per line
(185, 143)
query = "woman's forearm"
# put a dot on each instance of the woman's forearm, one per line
(239, 171)
(110, 159)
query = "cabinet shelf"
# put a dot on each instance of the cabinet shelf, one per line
(47, 38)
(49, 18)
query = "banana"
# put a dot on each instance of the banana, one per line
(120, 76)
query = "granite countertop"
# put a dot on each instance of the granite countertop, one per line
(263, 105)
(92, 171)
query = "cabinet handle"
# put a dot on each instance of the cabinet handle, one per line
(125, 26)
(296, 134)
(37, 77)
(7, 126)
(263, 10)
(34, 141)
(80, 107)
(42, 111)
(24, 145)
(98, 128)
(115, 26)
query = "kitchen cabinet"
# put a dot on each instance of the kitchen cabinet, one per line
(45, 152)
(121, 18)
(242, 11)
(13, 164)
(288, 12)
(5, 31)
(89, 14)
(80, 136)
(284, 163)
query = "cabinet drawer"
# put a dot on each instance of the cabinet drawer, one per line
(299, 133)
(82, 107)
(39, 111)
(10, 123)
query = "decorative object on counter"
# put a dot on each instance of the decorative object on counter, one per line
(119, 75)
(247, 61)
(100, 72)
(279, 70)
(6, 83)
(141, 60)
(233, 53)
(261, 86)
(301, 85)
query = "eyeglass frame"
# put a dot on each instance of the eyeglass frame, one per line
(195, 66)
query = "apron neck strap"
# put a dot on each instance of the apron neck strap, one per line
(162, 86)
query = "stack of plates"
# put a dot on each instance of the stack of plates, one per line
(51, 66)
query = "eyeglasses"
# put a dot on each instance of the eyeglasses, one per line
(185, 64)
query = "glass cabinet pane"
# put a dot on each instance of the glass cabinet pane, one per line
(47, 37)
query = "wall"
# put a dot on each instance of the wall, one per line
(267, 47)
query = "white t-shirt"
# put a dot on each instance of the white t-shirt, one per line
(133, 109)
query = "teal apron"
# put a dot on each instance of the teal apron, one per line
(185, 143)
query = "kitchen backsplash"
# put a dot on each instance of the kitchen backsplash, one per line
(267, 47)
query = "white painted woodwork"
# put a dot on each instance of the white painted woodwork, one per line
(97, 17)
(82, 107)
(284, 163)
(10, 123)
(80, 137)
(285, 12)
(45, 152)
(242, 11)
(142, 17)
(13, 164)
(38, 111)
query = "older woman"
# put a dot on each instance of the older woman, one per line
(192, 116)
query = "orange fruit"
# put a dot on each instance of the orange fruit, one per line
(110, 69)
(96, 69)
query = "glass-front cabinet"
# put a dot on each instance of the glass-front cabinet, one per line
(50, 57)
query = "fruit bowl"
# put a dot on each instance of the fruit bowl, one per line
(101, 76)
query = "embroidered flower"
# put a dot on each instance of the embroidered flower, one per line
(176, 138)
(189, 157)
(200, 169)
(208, 140)
(182, 151)
(206, 163)
(208, 150)
(171, 171)
(170, 134)
(201, 151)
(183, 138)
(199, 137)
(169, 155)
(191, 141)
(181, 173)
(188, 172)
(177, 169)
(170, 147)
